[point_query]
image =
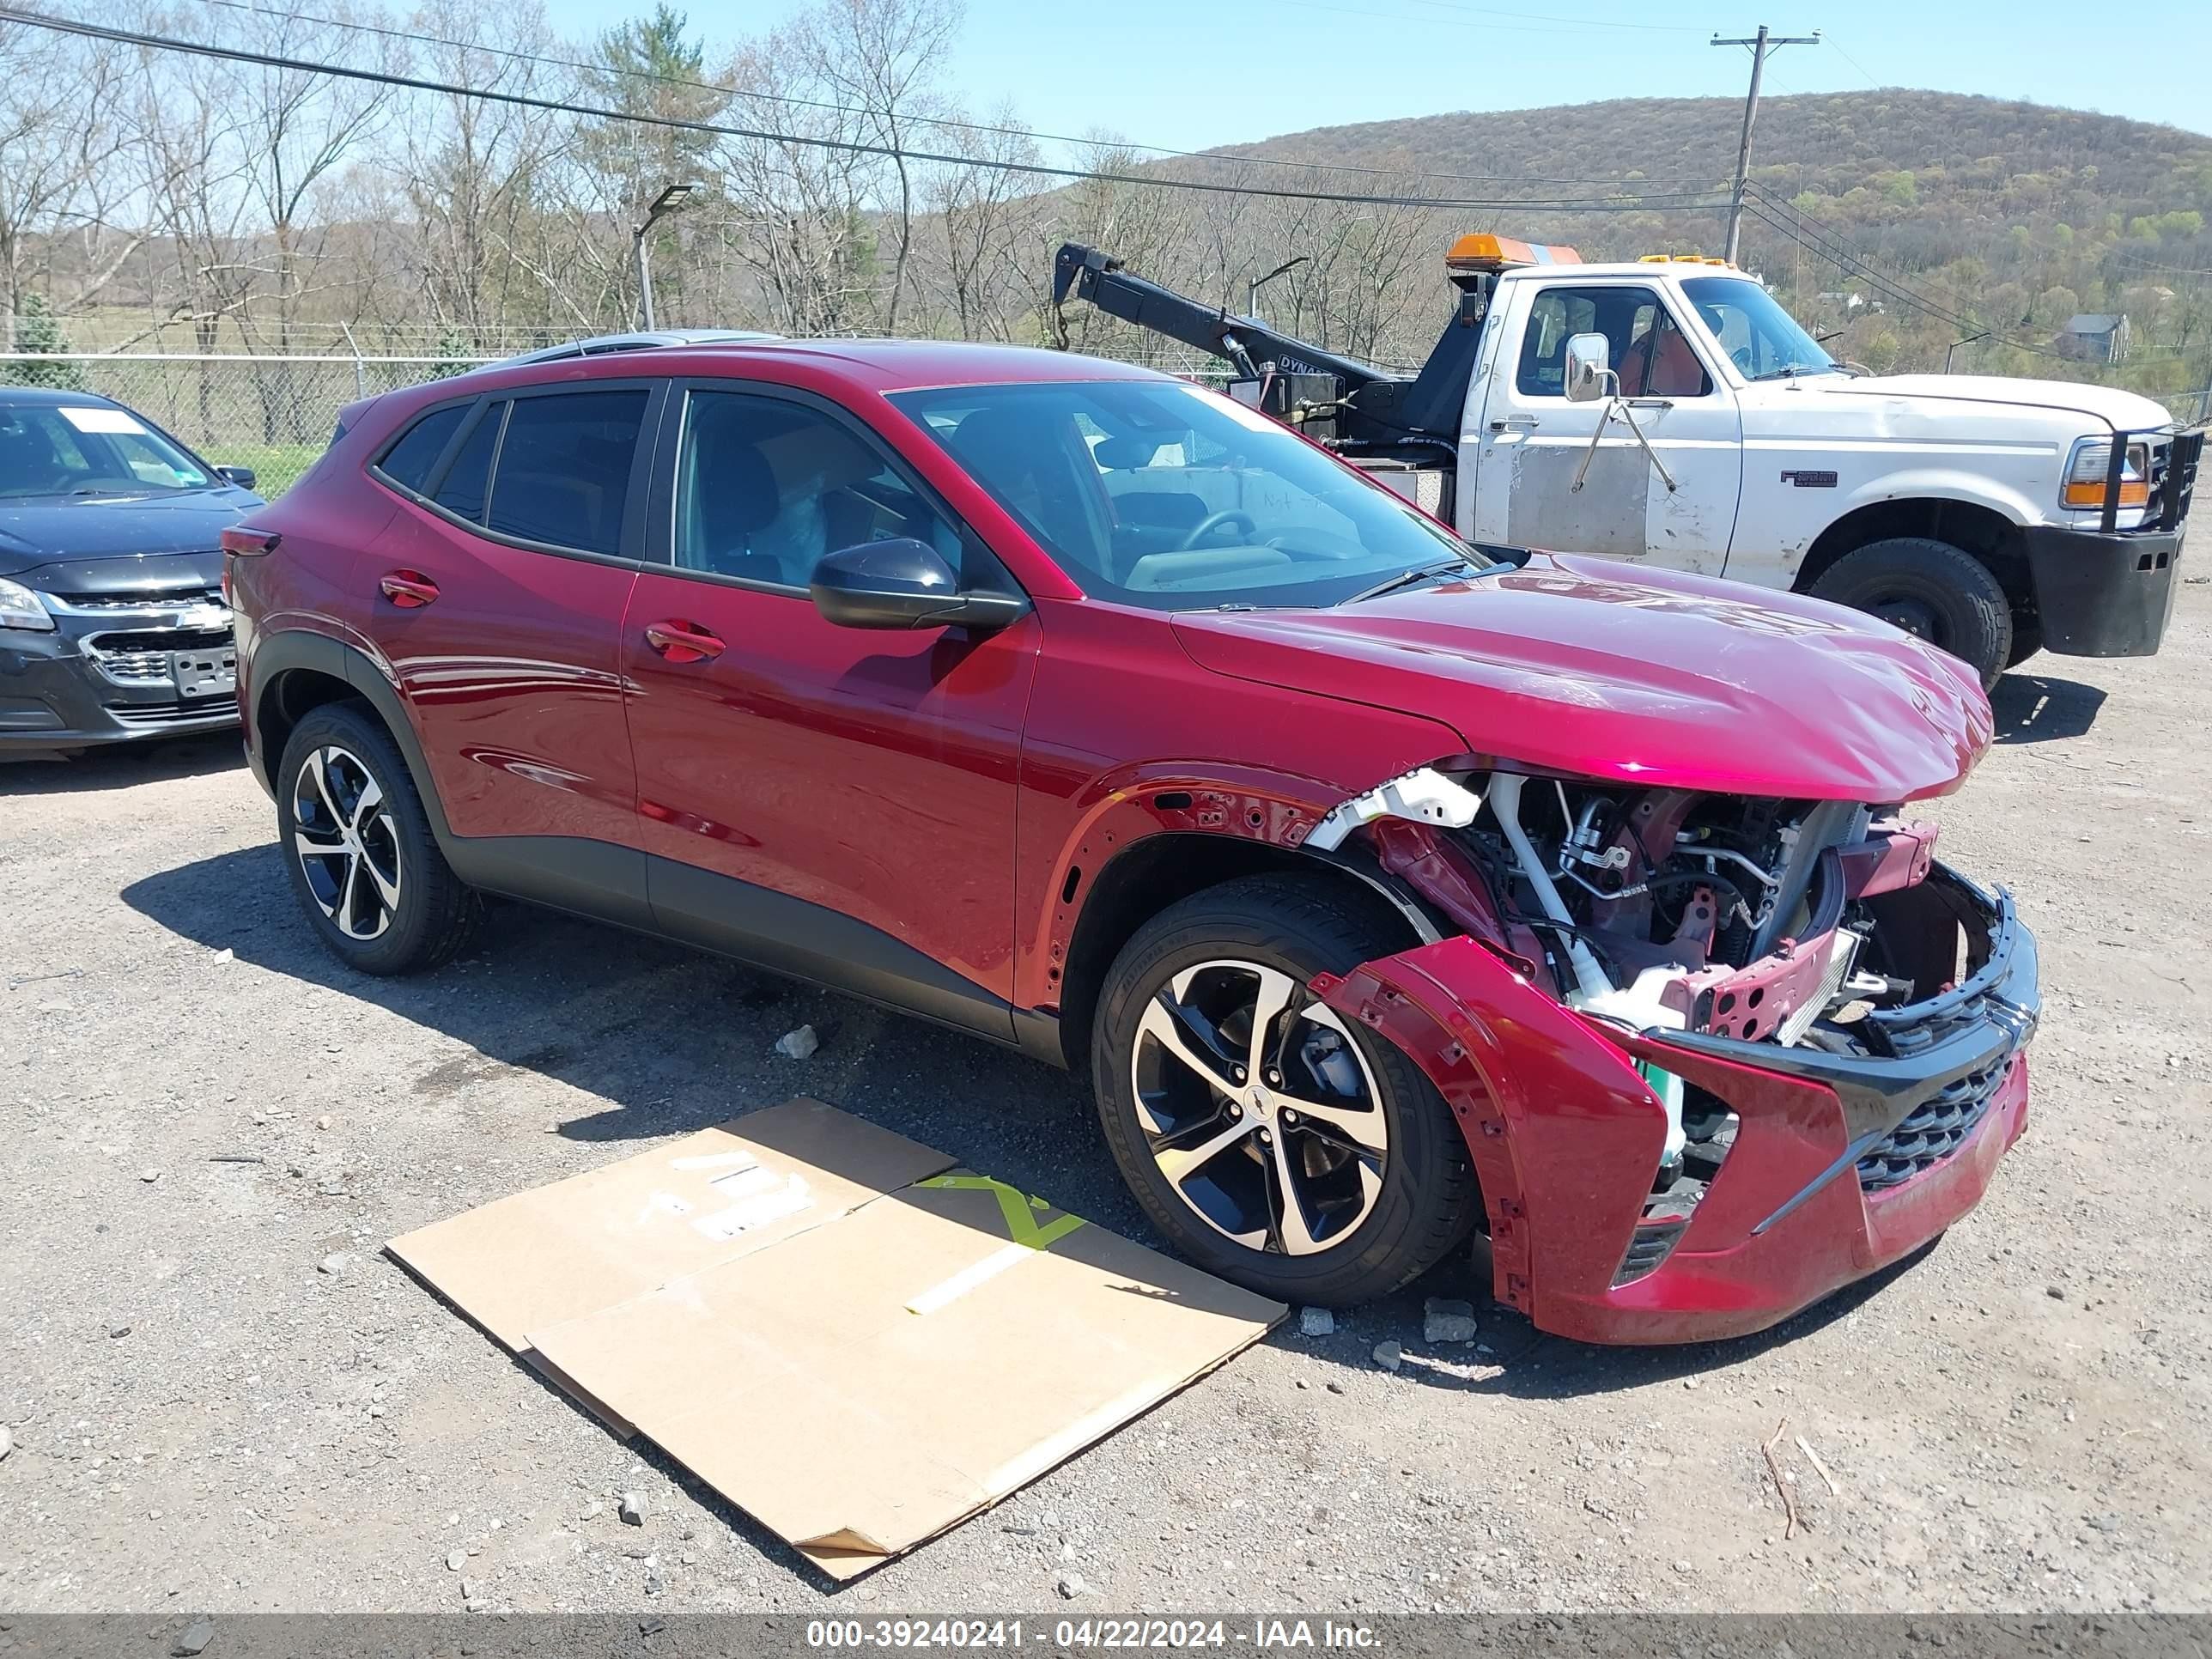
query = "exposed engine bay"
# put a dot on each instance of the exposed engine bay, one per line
(1769, 921)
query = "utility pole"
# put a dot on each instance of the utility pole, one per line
(1760, 46)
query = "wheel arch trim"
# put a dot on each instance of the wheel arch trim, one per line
(301, 648)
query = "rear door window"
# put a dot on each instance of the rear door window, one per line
(564, 467)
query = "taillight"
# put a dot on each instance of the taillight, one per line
(240, 542)
(249, 544)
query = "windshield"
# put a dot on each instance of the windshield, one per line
(1761, 339)
(1168, 496)
(89, 449)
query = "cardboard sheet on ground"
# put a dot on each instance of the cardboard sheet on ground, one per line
(925, 1344)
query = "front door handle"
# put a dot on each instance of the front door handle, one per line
(1505, 421)
(411, 590)
(682, 641)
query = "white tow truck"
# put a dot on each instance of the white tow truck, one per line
(1670, 410)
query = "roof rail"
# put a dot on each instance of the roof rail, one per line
(601, 345)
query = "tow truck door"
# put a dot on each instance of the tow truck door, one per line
(1522, 442)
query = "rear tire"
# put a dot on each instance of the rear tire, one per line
(1930, 589)
(1380, 1185)
(363, 860)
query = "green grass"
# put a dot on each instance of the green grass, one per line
(276, 467)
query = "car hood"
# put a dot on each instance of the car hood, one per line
(52, 529)
(1583, 665)
(2125, 410)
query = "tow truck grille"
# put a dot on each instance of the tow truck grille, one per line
(1933, 1130)
(2173, 480)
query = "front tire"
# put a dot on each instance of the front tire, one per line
(1274, 1144)
(363, 861)
(1932, 590)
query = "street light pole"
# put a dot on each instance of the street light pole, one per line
(1956, 345)
(663, 204)
(1252, 289)
(1760, 46)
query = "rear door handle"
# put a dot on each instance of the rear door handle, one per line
(411, 590)
(682, 641)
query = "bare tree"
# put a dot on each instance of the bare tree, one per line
(980, 211)
(882, 59)
(58, 145)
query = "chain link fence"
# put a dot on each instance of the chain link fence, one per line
(272, 413)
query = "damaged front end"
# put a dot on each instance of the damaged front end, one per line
(1715, 1056)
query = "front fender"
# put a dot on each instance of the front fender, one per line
(1945, 483)
(1565, 1133)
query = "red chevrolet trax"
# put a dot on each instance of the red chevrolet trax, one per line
(1395, 892)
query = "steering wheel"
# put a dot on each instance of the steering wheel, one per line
(1213, 521)
(1742, 358)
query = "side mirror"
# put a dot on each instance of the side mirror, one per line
(902, 583)
(1588, 367)
(240, 475)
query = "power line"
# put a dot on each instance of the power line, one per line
(1653, 203)
(945, 123)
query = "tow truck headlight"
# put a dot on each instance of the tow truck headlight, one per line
(2088, 467)
(19, 608)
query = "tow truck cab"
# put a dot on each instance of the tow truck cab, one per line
(1670, 410)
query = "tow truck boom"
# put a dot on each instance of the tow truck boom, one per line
(1337, 400)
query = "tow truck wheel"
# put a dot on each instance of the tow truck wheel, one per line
(1930, 589)
(1274, 1143)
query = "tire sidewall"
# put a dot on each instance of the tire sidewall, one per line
(1370, 1262)
(1976, 616)
(406, 938)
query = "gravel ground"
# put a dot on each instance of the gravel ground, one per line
(221, 1397)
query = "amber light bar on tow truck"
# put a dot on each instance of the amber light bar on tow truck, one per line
(1481, 250)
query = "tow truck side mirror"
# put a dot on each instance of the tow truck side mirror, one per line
(1588, 367)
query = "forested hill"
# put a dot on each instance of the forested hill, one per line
(2018, 215)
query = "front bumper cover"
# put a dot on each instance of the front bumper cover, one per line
(1828, 1180)
(104, 674)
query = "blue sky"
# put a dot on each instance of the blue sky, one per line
(1188, 74)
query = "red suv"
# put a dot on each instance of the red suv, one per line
(1394, 889)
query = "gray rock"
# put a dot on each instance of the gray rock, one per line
(470, 1589)
(119, 1331)
(477, 1604)
(6, 1442)
(799, 1044)
(333, 1264)
(1388, 1354)
(655, 1583)
(193, 1639)
(150, 1174)
(1444, 1320)
(456, 1561)
(1315, 1321)
(1069, 1584)
(632, 1509)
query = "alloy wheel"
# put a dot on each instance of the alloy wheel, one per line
(348, 845)
(1259, 1108)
